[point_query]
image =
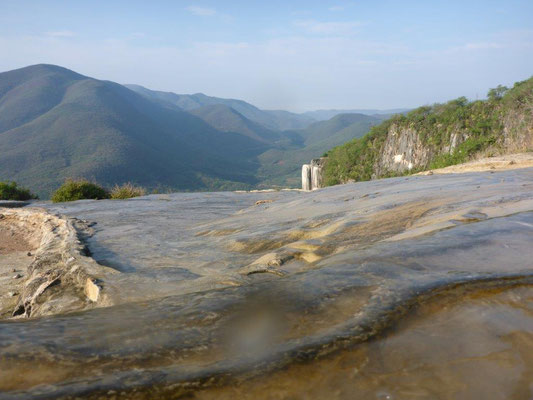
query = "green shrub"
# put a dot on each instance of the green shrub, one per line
(10, 191)
(79, 189)
(355, 160)
(463, 152)
(127, 191)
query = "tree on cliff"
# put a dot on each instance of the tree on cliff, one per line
(497, 92)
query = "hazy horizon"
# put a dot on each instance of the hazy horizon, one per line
(297, 56)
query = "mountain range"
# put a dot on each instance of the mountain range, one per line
(272, 119)
(56, 124)
(322, 115)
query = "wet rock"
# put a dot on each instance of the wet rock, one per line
(18, 311)
(273, 259)
(92, 289)
(258, 202)
(381, 257)
(261, 269)
(268, 263)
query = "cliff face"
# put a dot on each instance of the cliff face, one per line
(518, 130)
(438, 136)
(404, 150)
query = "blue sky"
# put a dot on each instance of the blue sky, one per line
(295, 55)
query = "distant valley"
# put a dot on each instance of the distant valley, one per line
(56, 124)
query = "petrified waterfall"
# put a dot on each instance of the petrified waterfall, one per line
(306, 177)
(312, 174)
(316, 176)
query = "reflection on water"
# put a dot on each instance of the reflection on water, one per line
(462, 346)
(402, 288)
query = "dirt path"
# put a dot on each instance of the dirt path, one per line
(500, 163)
(12, 239)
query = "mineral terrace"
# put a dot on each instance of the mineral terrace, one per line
(264, 295)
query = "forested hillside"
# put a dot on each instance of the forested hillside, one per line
(57, 124)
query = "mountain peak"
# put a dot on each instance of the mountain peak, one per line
(38, 69)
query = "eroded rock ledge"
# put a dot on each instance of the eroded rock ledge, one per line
(61, 277)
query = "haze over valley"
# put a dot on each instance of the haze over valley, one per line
(57, 124)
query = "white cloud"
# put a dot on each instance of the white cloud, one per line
(328, 28)
(202, 11)
(60, 34)
(507, 40)
(297, 72)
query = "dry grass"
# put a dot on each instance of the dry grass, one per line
(127, 191)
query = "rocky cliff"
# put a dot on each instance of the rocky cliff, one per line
(438, 136)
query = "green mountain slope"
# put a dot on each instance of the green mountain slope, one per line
(29, 92)
(338, 129)
(282, 166)
(57, 124)
(285, 120)
(226, 119)
(438, 135)
(323, 115)
(274, 120)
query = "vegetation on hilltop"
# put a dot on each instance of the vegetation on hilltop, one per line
(11, 191)
(481, 122)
